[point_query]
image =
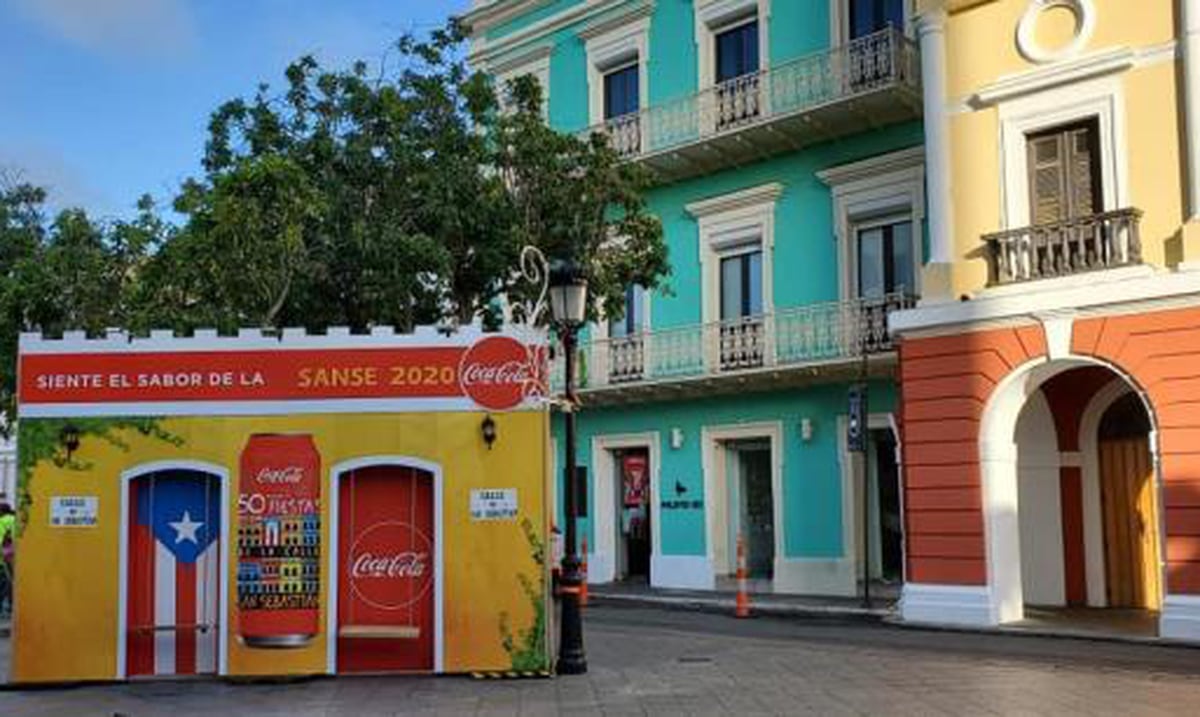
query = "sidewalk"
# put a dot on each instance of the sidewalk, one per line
(762, 603)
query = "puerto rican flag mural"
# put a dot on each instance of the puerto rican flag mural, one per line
(174, 574)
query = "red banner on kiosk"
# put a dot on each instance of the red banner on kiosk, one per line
(496, 372)
(279, 541)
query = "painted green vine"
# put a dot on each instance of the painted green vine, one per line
(41, 440)
(527, 650)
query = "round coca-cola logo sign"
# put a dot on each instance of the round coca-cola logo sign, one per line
(390, 565)
(499, 372)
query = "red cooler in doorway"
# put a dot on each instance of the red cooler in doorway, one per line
(279, 539)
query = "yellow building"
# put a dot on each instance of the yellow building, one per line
(1051, 373)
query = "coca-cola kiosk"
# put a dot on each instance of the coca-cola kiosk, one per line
(283, 505)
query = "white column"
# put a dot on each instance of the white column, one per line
(931, 29)
(1190, 24)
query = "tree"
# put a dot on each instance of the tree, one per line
(401, 198)
(69, 272)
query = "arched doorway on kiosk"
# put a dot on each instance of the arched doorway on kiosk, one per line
(173, 573)
(387, 562)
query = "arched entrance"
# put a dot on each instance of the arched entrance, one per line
(1070, 498)
(386, 608)
(172, 558)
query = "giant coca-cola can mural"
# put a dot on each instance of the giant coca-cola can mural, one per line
(279, 541)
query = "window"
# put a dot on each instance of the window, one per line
(1064, 173)
(621, 92)
(737, 51)
(741, 285)
(738, 98)
(871, 16)
(634, 320)
(885, 262)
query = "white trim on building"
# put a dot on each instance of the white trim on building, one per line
(890, 185)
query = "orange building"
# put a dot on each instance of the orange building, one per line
(1050, 378)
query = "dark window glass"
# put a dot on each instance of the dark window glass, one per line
(741, 285)
(885, 261)
(868, 16)
(621, 92)
(634, 320)
(737, 51)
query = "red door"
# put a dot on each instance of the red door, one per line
(385, 580)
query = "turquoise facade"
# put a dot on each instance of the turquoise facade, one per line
(812, 470)
(807, 266)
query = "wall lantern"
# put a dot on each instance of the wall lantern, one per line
(488, 430)
(806, 429)
(676, 438)
(68, 437)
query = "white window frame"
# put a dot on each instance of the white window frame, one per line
(839, 21)
(888, 187)
(727, 224)
(1100, 99)
(615, 49)
(713, 17)
(535, 63)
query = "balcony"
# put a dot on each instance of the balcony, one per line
(807, 344)
(1076, 246)
(867, 83)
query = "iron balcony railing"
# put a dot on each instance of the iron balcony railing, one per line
(1074, 246)
(806, 335)
(864, 65)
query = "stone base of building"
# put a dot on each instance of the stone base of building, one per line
(1180, 618)
(947, 605)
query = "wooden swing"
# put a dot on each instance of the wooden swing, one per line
(371, 631)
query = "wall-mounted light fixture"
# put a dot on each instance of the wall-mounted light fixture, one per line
(676, 438)
(806, 429)
(68, 437)
(488, 430)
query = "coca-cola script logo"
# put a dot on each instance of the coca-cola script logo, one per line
(289, 475)
(499, 372)
(390, 565)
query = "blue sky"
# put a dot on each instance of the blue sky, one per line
(103, 100)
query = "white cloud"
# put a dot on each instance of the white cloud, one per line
(64, 182)
(117, 27)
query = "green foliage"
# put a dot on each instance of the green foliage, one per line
(527, 649)
(40, 439)
(65, 272)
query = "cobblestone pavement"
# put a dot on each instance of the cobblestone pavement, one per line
(652, 662)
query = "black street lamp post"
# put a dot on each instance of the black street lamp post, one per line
(568, 302)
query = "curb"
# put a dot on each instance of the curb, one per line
(726, 606)
(1042, 633)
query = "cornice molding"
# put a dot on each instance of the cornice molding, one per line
(517, 61)
(1093, 65)
(604, 25)
(484, 51)
(485, 17)
(743, 199)
(873, 166)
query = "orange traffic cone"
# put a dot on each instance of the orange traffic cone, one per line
(742, 606)
(583, 589)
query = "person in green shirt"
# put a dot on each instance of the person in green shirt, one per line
(8, 527)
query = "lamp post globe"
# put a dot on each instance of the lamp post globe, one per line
(568, 307)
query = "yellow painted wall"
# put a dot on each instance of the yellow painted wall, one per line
(981, 48)
(981, 39)
(65, 622)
